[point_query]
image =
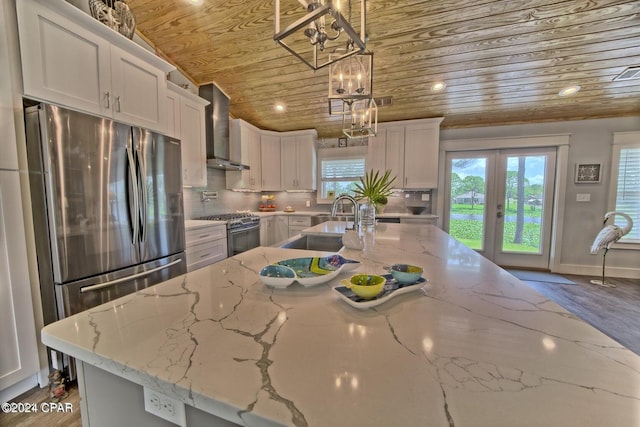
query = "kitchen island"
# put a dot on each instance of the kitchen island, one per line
(474, 347)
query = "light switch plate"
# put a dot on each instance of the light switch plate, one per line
(583, 197)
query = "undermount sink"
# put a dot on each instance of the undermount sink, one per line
(315, 243)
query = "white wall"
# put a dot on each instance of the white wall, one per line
(590, 142)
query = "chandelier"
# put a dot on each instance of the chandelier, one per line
(309, 37)
(350, 80)
(360, 118)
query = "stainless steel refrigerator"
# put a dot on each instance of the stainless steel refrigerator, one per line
(107, 208)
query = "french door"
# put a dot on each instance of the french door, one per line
(500, 203)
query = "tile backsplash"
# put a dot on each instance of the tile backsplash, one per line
(231, 201)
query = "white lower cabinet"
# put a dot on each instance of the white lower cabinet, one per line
(267, 230)
(298, 223)
(18, 352)
(282, 228)
(205, 244)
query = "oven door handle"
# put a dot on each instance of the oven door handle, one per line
(124, 279)
(240, 230)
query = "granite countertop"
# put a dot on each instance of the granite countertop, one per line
(475, 347)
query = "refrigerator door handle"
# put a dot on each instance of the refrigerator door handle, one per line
(143, 194)
(135, 209)
(95, 287)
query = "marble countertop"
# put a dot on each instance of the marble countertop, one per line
(475, 347)
(197, 223)
(313, 213)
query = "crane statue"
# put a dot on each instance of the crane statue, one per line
(607, 237)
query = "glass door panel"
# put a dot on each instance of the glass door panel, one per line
(523, 204)
(468, 174)
(499, 203)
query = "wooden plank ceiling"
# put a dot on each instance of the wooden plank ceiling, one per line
(504, 62)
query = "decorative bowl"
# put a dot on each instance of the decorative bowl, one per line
(416, 210)
(405, 273)
(278, 276)
(366, 286)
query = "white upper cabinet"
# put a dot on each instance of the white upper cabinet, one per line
(410, 149)
(245, 149)
(298, 161)
(270, 161)
(71, 59)
(421, 150)
(185, 119)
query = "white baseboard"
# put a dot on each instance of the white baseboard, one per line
(591, 270)
(17, 389)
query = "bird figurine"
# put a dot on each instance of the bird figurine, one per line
(606, 238)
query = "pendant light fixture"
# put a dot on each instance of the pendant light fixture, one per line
(360, 119)
(311, 36)
(350, 80)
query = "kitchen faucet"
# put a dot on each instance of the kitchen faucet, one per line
(356, 208)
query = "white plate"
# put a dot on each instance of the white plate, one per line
(391, 289)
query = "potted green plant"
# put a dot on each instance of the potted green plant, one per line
(375, 188)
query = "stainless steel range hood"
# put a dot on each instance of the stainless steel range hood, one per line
(217, 129)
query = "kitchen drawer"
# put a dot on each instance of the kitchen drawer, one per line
(296, 229)
(203, 254)
(194, 236)
(300, 220)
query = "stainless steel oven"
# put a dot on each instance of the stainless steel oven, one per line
(243, 231)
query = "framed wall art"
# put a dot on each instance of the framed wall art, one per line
(588, 173)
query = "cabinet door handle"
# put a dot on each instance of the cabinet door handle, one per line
(107, 99)
(405, 180)
(118, 104)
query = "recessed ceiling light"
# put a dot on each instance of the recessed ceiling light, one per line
(569, 90)
(438, 86)
(196, 2)
(280, 107)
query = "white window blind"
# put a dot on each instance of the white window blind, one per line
(343, 169)
(627, 198)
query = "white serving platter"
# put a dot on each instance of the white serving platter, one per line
(391, 289)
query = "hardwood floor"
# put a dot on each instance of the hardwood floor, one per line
(67, 415)
(614, 311)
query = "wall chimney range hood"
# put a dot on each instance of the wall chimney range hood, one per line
(217, 129)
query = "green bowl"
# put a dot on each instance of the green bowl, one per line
(366, 286)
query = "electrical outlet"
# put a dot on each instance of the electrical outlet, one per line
(164, 407)
(308, 203)
(586, 197)
(425, 197)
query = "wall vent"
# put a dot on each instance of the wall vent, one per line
(629, 73)
(385, 101)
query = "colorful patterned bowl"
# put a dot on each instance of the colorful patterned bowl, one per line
(405, 273)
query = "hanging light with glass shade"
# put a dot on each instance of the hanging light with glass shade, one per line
(360, 118)
(326, 23)
(350, 80)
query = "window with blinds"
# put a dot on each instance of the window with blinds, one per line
(340, 175)
(627, 189)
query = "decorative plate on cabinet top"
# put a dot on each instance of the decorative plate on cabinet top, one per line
(392, 288)
(309, 271)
